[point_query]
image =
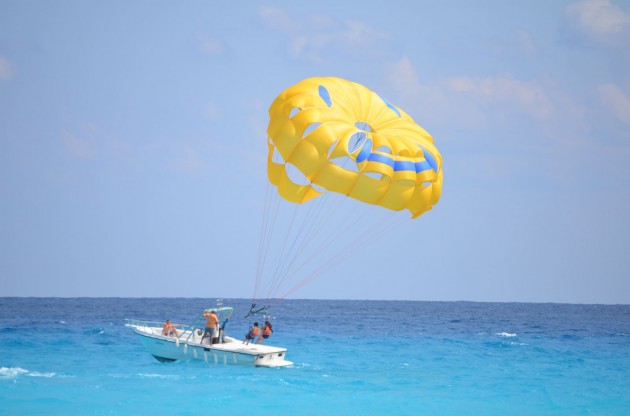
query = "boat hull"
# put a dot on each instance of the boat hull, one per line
(232, 351)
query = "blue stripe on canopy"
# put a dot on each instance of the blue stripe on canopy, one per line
(422, 166)
(429, 157)
(365, 151)
(404, 165)
(396, 165)
(374, 157)
(325, 95)
(391, 106)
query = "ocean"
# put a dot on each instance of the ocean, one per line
(74, 356)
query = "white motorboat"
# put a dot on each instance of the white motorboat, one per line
(189, 344)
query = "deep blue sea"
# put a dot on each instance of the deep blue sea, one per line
(61, 356)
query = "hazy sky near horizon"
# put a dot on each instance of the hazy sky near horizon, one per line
(132, 144)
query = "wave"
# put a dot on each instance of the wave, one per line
(11, 372)
(14, 372)
(36, 374)
(153, 375)
(505, 334)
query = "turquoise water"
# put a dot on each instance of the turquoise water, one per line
(74, 356)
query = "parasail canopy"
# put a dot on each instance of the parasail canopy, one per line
(352, 166)
(327, 134)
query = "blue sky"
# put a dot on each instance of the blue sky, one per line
(132, 144)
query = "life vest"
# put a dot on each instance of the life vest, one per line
(254, 332)
(167, 329)
(267, 331)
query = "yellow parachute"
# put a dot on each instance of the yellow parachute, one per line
(346, 139)
(329, 138)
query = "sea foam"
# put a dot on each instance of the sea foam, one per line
(505, 334)
(12, 372)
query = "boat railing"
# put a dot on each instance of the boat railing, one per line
(193, 332)
(185, 332)
(150, 326)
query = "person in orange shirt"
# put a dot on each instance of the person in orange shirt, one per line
(211, 325)
(266, 332)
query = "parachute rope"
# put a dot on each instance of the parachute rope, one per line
(298, 236)
(349, 250)
(301, 236)
(292, 272)
(266, 235)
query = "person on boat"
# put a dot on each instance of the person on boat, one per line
(211, 325)
(266, 332)
(252, 334)
(169, 329)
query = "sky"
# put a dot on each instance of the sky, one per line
(133, 144)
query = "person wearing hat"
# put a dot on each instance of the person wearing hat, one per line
(211, 325)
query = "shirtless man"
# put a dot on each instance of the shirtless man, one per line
(211, 325)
